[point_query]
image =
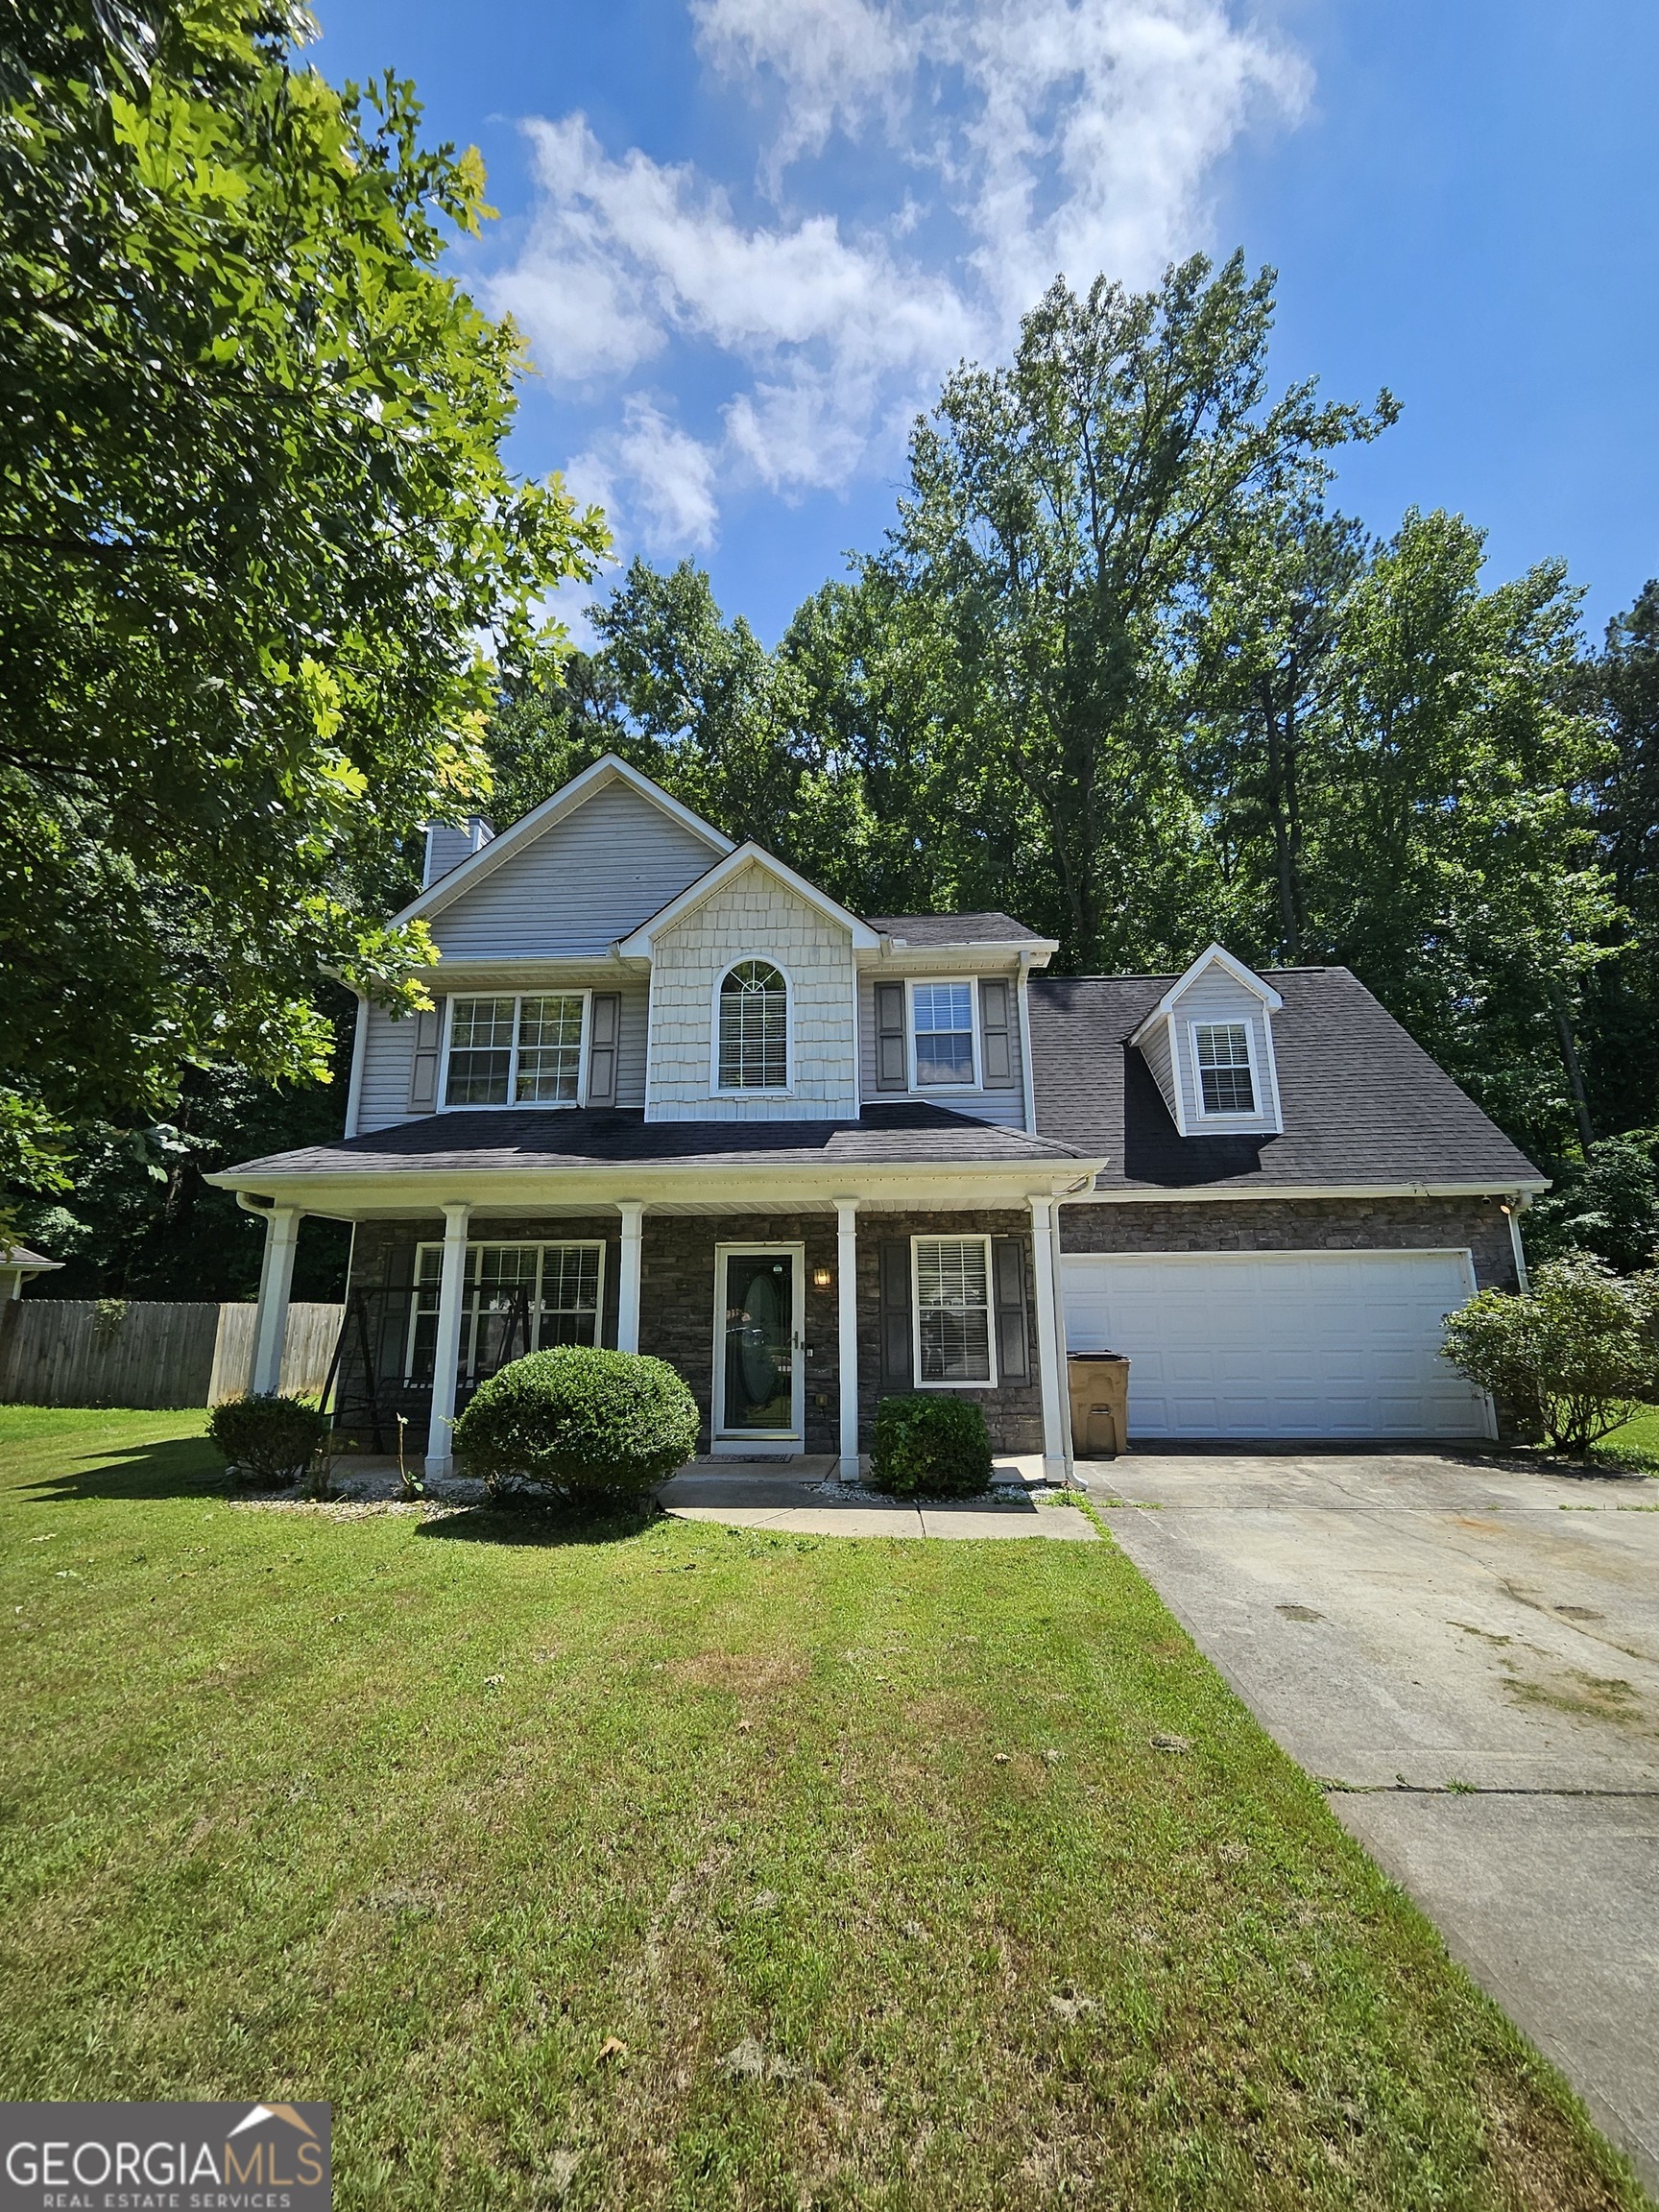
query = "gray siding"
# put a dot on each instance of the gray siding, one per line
(1215, 997)
(1155, 1051)
(590, 880)
(387, 1052)
(390, 1045)
(1005, 1109)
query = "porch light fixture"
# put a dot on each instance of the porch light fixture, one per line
(822, 1277)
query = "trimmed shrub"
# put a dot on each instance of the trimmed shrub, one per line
(589, 1425)
(270, 1437)
(1574, 1356)
(931, 1447)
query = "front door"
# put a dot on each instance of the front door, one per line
(759, 1375)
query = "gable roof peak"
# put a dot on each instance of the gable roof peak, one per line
(748, 854)
(610, 768)
(1213, 957)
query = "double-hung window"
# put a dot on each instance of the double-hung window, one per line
(518, 1298)
(942, 1024)
(953, 1302)
(519, 1052)
(1226, 1083)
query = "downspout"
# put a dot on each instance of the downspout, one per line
(359, 1053)
(1023, 1003)
(1514, 1206)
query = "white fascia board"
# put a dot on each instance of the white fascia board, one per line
(637, 946)
(900, 954)
(1216, 956)
(673, 1187)
(565, 802)
(1207, 1195)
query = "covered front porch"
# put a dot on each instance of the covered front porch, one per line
(789, 1312)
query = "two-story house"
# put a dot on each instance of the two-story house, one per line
(673, 1098)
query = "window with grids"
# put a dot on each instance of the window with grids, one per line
(518, 1298)
(952, 1310)
(516, 1051)
(1225, 1068)
(754, 1053)
(943, 1015)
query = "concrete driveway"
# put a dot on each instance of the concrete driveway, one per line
(1467, 1653)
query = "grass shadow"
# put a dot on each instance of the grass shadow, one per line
(182, 1467)
(541, 1523)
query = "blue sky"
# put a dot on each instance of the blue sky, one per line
(747, 237)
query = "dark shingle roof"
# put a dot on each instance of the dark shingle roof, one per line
(956, 929)
(1362, 1103)
(489, 1142)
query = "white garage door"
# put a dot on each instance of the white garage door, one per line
(1279, 1344)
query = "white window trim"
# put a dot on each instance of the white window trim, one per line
(1233, 1116)
(990, 1381)
(510, 1104)
(944, 1090)
(537, 1244)
(717, 1089)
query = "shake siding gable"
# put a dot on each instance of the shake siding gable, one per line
(1004, 1109)
(588, 880)
(752, 916)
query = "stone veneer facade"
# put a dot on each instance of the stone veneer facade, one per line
(1299, 1225)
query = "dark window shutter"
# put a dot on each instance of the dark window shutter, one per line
(605, 1024)
(1013, 1317)
(890, 1070)
(424, 1064)
(997, 1034)
(896, 1369)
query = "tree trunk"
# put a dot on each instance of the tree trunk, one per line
(1575, 1073)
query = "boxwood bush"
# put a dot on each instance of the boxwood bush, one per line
(930, 1445)
(588, 1425)
(273, 1438)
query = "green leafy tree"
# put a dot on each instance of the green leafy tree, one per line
(1065, 519)
(1620, 1023)
(255, 519)
(1606, 1203)
(1574, 1357)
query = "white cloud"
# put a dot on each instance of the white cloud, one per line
(655, 481)
(1067, 137)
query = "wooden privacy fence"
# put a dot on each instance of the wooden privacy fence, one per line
(61, 1351)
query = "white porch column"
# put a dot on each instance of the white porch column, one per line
(1049, 1362)
(275, 1280)
(446, 1352)
(847, 1331)
(633, 1212)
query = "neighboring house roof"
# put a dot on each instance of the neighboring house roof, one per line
(922, 929)
(1364, 1106)
(537, 1141)
(20, 1256)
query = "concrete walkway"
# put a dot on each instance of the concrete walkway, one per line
(1467, 1652)
(803, 1496)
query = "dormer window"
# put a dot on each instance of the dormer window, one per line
(754, 1020)
(1225, 1077)
(942, 1023)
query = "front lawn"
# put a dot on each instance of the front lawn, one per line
(1635, 1445)
(700, 1868)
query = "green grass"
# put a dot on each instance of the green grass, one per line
(863, 1853)
(1635, 1445)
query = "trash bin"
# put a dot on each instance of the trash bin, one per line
(1100, 1384)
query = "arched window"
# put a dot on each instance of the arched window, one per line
(754, 1029)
